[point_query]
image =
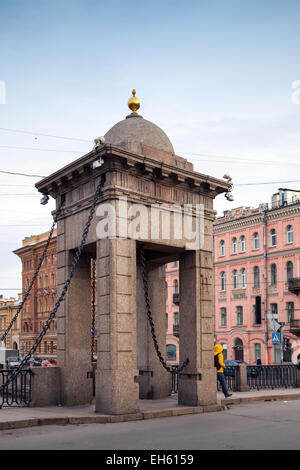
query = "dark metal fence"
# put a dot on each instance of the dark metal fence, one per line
(274, 376)
(19, 391)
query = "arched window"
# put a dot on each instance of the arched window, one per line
(243, 278)
(289, 234)
(235, 279)
(273, 237)
(289, 271)
(273, 274)
(171, 352)
(222, 248)
(234, 246)
(256, 280)
(256, 241)
(243, 243)
(238, 350)
(223, 281)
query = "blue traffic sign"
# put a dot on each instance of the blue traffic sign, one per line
(275, 338)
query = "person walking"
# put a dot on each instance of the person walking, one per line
(219, 363)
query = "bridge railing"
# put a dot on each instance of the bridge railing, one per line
(19, 391)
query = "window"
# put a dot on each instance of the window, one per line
(239, 315)
(243, 278)
(222, 248)
(256, 241)
(234, 246)
(289, 271)
(257, 311)
(235, 279)
(223, 315)
(274, 309)
(257, 351)
(273, 274)
(223, 281)
(256, 280)
(289, 234)
(290, 308)
(175, 287)
(176, 318)
(167, 321)
(171, 352)
(166, 289)
(273, 237)
(243, 243)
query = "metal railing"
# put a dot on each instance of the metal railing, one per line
(19, 391)
(272, 376)
(230, 378)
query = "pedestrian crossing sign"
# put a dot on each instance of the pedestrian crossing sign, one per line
(275, 338)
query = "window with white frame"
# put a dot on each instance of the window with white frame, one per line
(223, 281)
(243, 278)
(235, 279)
(243, 244)
(222, 248)
(273, 237)
(223, 315)
(256, 279)
(234, 245)
(256, 241)
(239, 315)
(273, 274)
(289, 234)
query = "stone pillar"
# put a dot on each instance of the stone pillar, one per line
(116, 386)
(154, 380)
(197, 383)
(74, 331)
(241, 378)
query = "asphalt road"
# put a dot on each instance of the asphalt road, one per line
(262, 425)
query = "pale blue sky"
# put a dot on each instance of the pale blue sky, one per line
(215, 75)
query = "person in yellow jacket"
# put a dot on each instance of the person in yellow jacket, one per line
(218, 349)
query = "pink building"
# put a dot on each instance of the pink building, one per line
(257, 280)
(172, 312)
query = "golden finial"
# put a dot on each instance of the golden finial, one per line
(134, 102)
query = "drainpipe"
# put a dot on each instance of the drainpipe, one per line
(264, 219)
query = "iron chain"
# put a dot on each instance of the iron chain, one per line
(65, 288)
(149, 315)
(27, 292)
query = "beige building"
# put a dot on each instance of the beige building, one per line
(8, 309)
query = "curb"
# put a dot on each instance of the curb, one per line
(275, 397)
(104, 419)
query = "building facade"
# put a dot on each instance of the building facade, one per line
(41, 300)
(8, 309)
(172, 312)
(257, 280)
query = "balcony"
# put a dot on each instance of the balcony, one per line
(295, 327)
(294, 285)
(176, 299)
(176, 329)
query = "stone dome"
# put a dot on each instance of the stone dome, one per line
(134, 133)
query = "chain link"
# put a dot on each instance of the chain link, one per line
(149, 315)
(93, 308)
(27, 292)
(65, 288)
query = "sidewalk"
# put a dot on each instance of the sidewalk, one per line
(14, 418)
